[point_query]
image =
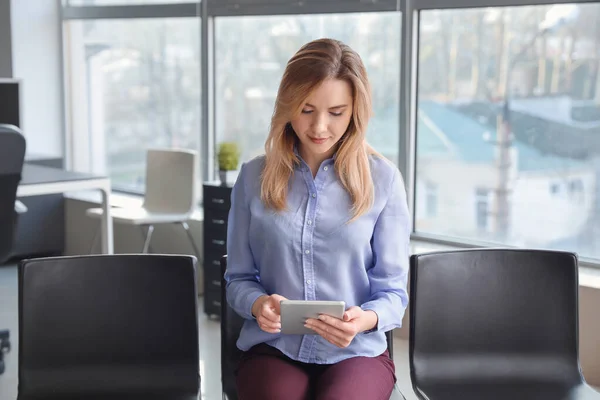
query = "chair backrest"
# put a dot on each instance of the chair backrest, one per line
(231, 326)
(12, 156)
(108, 325)
(171, 171)
(493, 315)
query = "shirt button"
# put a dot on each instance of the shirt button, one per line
(314, 195)
(307, 251)
(309, 222)
(308, 282)
(326, 168)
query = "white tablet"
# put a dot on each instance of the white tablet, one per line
(294, 314)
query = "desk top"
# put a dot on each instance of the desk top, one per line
(37, 174)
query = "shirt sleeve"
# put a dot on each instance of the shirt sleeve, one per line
(389, 274)
(243, 283)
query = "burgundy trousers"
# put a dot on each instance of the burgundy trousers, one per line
(264, 373)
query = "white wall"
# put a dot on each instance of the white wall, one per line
(539, 217)
(543, 217)
(456, 187)
(36, 59)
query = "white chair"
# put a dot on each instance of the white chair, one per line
(172, 189)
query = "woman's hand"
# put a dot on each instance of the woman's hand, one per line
(267, 312)
(341, 332)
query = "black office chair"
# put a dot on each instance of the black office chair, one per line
(231, 325)
(12, 156)
(114, 327)
(495, 324)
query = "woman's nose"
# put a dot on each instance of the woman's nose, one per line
(320, 123)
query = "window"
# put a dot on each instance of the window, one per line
(251, 54)
(135, 85)
(516, 117)
(432, 199)
(123, 2)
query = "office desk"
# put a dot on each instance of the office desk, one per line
(40, 180)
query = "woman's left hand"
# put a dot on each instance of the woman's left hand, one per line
(341, 332)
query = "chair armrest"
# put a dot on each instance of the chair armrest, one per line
(20, 208)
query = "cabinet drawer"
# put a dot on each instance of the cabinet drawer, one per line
(212, 303)
(215, 245)
(212, 278)
(217, 197)
(215, 224)
(212, 261)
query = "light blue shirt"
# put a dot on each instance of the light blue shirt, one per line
(310, 252)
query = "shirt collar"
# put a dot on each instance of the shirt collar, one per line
(302, 163)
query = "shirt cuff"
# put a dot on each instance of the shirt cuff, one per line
(250, 299)
(372, 306)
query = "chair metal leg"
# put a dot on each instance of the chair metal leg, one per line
(148, 239)
(189, 235)
(95, 240)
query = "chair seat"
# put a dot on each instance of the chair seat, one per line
(507, 391)
(138, 216)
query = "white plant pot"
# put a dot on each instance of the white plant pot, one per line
(227, 178)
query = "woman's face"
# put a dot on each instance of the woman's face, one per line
(324, 119)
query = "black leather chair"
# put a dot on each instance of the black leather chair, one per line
(114, 327)
(12, 156)
(231, 325)
(495, 324)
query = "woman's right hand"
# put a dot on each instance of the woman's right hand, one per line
(267, 312)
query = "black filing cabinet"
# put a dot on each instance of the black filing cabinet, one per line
(217, 199)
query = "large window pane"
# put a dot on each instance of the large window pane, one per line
(135, 85)
(508, 129)
(252, 52)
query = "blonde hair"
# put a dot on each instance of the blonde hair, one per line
(314, 63)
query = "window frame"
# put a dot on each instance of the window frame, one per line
(207, 10)
(411, 11)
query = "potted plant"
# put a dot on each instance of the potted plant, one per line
(229, 158)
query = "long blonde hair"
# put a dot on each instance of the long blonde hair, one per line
(314, 63)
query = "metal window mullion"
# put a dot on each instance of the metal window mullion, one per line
(65, 126)
(453, 4)
(207, 131)
(131, 11)
(239, 8)
(408, 96)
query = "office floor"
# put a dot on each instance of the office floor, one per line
(210, 354)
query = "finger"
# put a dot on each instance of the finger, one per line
(269, 330)
(336, 341)
(329, 329)
(270, 314)
(329, 320)
(266, 324)
(347, 328)
(352, 313)
(276, 299)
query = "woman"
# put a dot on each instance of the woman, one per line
(321, 216)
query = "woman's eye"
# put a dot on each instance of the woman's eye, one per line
(336, 114)
(307, 111)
